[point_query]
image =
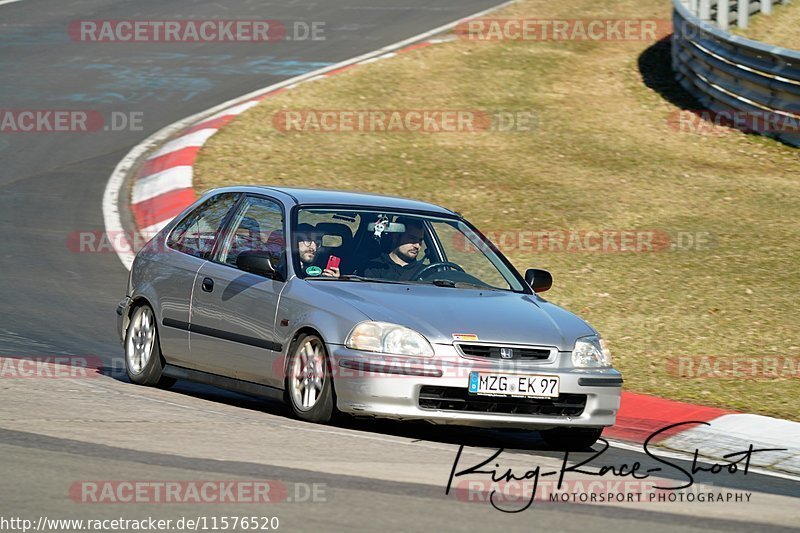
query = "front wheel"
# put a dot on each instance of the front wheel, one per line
(142, 352)
(571, 439)
(310, 384)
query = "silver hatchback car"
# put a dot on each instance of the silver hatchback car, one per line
(340, 302)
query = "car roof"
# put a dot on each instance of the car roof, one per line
(301, 196)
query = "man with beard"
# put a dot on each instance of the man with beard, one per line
(401, 263)
(308, 243)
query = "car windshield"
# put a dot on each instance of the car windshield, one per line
(395, 247)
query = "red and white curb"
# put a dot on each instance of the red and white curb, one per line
(163, 187)
(726, 434)
(721, 432)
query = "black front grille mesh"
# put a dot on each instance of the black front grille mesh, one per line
(493, 352)
(458, 399)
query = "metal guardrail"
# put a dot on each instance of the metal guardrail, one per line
(735, 76)
(725, 12)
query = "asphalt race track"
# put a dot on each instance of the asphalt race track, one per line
(58, 435)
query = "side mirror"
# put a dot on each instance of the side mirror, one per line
(259, 263)
(539, 280)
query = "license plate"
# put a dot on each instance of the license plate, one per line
(527, 385)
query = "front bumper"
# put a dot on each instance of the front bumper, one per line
(390, 387)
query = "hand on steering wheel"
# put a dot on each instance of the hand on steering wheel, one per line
(440, 265)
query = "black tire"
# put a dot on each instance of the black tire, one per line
(150, 373)
(323, 408)
(571, 439)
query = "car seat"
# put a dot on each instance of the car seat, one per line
(343, 251)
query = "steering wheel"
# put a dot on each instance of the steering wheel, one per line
(437, 266)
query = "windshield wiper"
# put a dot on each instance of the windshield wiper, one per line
(468, 285)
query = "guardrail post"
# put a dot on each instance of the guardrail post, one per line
(766, 7)
(705, 10)
(742, 13)
(723, 10)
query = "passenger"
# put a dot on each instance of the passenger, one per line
(401, 263)
(308, 243)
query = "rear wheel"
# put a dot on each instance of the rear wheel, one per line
(310, 384)
(571, 439)
(143, 362)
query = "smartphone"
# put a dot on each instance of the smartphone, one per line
(333, 262)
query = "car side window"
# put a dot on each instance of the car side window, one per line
(257, 226)
(198, 232)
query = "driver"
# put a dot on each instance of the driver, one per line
(401, 263)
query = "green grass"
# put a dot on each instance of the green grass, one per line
(601, 156)
(782, 28)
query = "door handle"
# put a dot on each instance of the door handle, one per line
(208, 284)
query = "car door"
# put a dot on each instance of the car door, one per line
(233, 311)
(189, 245)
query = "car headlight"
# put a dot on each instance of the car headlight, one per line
(388, 338)
(591, 352)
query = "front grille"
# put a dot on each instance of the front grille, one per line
(493, 352)
(458, 399)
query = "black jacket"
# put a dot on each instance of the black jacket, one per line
(384, 268)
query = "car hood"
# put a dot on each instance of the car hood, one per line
(441, 312)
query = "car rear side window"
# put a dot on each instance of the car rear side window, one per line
(257, 226)
(198, 232)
